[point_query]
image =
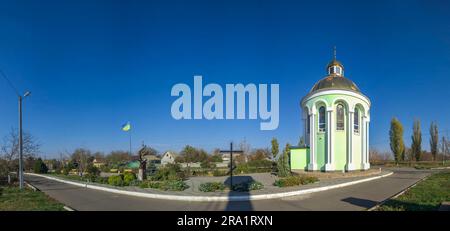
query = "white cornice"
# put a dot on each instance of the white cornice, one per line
(343, 92)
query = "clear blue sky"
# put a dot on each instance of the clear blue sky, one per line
(93, 65)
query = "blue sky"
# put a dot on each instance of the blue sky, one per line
(93, 65)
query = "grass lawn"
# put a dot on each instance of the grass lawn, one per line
(425, 196)
(12, 199)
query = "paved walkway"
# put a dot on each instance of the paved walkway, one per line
(355, 197)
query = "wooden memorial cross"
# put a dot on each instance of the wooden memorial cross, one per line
(231, 151)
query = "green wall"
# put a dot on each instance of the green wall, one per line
(299, 158)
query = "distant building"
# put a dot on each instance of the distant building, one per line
(168, 157)
(98, 162)
(152, 159)
(226, 156)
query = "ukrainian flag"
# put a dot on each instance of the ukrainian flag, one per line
(126, 127)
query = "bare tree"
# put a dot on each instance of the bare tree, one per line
(246, 148)
(10, 148)
(81, 157)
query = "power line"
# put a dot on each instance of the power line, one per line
(9, 82)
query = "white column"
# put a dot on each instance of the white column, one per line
(363, 142)
(350, 142)
(312, 135)
(367, 163)
(305, 130)
(329, 166)
(305, 117)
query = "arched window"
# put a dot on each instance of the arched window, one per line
(356, 121)
(322, 119)
(340, 117)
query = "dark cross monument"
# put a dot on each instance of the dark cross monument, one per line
(231, 151)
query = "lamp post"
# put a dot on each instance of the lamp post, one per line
(20, 126)
(20, 139)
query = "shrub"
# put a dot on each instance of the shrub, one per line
(217, 172)
(134, 182)
(128, 177)
(254, 166)
(143, 184)
(295, 180)
(101, 180)
(255, 185)
(115, 180)
(248, 186)
(40, 167)
(92, 170)
(168, 185)
(211, 187)
(169, 172)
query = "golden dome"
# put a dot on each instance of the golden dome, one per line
(334, 82)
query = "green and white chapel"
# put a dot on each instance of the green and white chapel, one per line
(336, 117)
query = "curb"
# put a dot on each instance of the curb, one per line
(31, 186)
(397, 195)
(215, 198)
(67, 208)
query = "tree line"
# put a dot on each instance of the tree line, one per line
(415, 152)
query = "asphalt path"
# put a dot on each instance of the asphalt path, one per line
(351, 198)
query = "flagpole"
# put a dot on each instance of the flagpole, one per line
(130, 141)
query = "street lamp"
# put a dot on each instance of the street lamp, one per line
(20, 139)
(20, 126)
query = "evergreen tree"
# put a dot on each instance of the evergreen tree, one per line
(396, 139)
(275, 147)
(434, 139)
(416, 145)
(40, 167)
(283, 166)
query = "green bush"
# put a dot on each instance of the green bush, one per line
(143, 184)
(101, 180)
(40, 167)
(254, 166)
(255, 185)
(248, 186)
(92, 170)
(168, 185)
(211, 187)
(128, 177)
(295, 180)
(116, 180)
(170, 172)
